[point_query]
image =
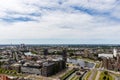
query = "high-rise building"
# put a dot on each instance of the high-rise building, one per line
(48, 69)
(64, 55)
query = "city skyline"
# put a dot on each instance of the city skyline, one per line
(59, 22)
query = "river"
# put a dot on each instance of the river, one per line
(82, 63)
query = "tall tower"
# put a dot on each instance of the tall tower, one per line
(114, 52)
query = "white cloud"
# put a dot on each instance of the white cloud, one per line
(57, 20)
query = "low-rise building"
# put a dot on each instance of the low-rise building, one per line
(4, 77)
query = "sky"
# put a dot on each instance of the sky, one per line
(60, 21)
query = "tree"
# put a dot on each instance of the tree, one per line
(106, 73)
(104, 78)
(71, 54)
(1, 63)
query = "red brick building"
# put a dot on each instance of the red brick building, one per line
(4, 77)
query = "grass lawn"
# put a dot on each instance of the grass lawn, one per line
(75, 78)
(104, 76)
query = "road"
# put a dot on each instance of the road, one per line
(98, 75)
(92, 74)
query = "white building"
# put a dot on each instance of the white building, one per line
(109, 55)
(105, 55)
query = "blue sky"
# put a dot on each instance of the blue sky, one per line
(60, 21)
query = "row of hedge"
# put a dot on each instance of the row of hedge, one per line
(9, 72)
(81, 77)
(65, 76)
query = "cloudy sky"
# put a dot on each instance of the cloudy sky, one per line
(60, 21)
